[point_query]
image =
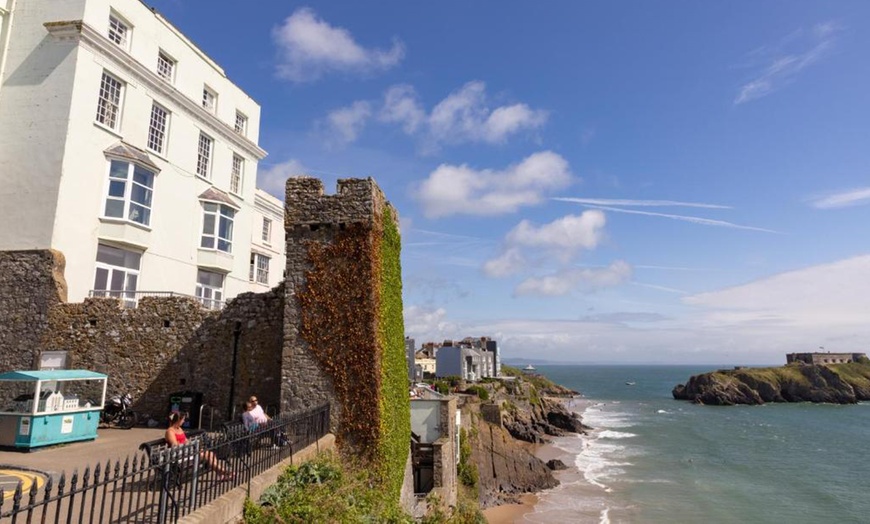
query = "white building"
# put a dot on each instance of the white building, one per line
(267, 242)
(125, 147)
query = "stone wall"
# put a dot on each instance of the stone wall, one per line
(171, 344)
(31, 282)
(312, 217)
(824, 358)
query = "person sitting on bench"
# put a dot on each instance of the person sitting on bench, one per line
(175, 436)
(253, 417)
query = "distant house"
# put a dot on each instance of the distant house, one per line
(410, 359)
(465, 362)
(435, 425)
(424, 364)
(824, 358)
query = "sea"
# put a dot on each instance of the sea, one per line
(653, 459)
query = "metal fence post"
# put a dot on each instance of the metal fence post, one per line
(164, 489)
(195, 481)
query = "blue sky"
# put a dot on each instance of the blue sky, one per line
(650, 182)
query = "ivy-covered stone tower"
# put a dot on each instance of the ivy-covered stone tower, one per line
(343, 324)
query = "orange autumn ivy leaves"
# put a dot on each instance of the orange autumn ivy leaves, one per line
(352, 320)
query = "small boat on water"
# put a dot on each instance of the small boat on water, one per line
(630, 383)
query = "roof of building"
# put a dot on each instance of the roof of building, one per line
(54, 374)
(126, 151)
(216, 195)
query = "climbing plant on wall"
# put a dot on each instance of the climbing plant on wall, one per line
(394, 404)
(351, 312)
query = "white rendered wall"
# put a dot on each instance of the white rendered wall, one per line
(74, 152)
(35, 90)
(267, 206)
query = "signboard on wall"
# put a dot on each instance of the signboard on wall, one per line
(66, 424)
(52, 360)
(24, 428)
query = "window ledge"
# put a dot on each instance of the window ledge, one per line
(161, 156)
(108, 129)
(125, 233)
(112, 220)
(204, 179)
(214, 259)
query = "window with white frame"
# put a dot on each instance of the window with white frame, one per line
(203, 156)
(241, 123)
(109, 103)
(236, 174)
(117, 274)
(267, 231)
(210, 289)
(165, 66)
(209, 99)
(128, 197)
(157, 129)
(217, 227)
(119, 31)
(259, 270)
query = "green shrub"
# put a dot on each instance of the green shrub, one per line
(480, 391)
(467, 469)
(323, 491)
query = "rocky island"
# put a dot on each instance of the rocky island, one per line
(806, 378)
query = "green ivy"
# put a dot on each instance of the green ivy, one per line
(467, 469)
(394, 404)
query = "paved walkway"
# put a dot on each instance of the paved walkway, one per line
(111, 444)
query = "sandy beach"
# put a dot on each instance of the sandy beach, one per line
(510, 513)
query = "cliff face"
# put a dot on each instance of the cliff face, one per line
(506, 468)
(837, 383)
(500, 434)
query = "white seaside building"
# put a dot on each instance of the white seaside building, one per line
(125, 147)
(267, 242)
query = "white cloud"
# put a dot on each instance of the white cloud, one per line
(508, 263)
(582, 279)
(464, 116)
(569, 233)
(638, 203)
(756, 323)
(431, 321)
(401, 106)
(273, 179)
(344, 125)
(781, 68)
(853, 197)
(835, 294)
(310, 47)
(454, 190)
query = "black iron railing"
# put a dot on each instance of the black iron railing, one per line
(169, 483)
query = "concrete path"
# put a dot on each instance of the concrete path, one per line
(111, 444)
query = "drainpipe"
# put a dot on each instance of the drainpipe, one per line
(237, 332)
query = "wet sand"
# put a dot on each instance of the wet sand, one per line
(513, 513)
(510, 513)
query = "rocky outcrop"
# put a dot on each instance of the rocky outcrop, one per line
(506, 464)
(506, 468)
(836, 383)
(556, 464)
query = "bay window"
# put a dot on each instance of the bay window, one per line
(128, 196)
(217, 227)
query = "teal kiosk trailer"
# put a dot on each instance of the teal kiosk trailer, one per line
(50, 407)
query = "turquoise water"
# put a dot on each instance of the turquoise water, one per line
(654, 459)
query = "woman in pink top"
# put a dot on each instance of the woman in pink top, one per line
(175, 437)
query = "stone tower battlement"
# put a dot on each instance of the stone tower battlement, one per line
(356, 201)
